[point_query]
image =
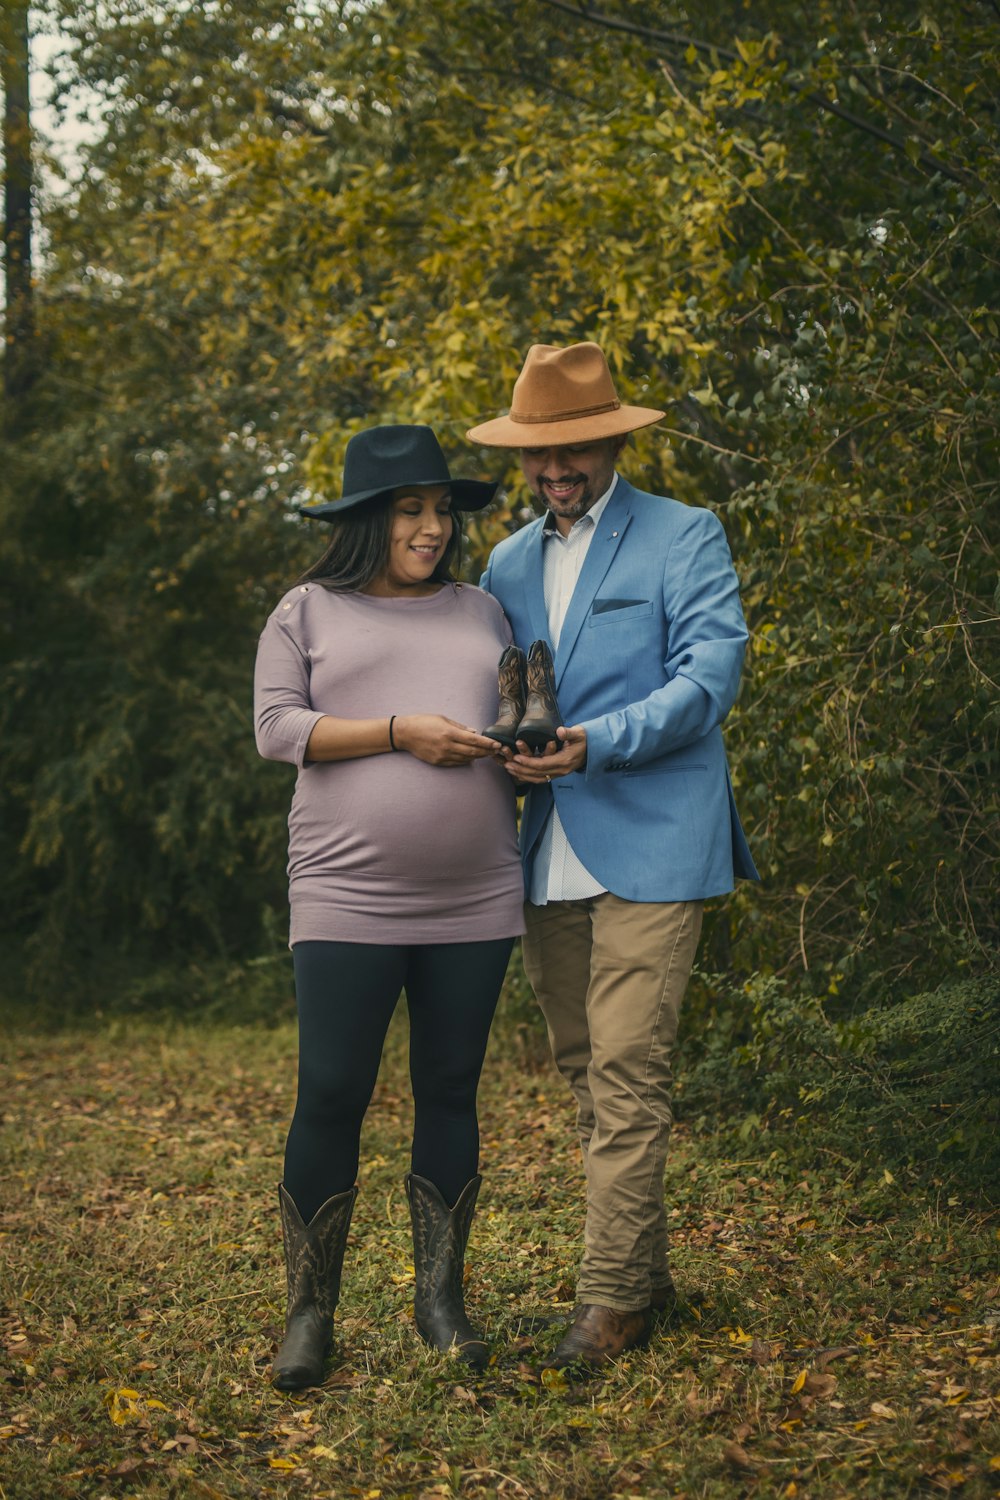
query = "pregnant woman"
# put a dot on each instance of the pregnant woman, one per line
(403, 868)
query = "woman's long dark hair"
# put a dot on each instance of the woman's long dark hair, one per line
(359, 548)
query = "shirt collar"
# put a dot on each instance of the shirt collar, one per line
(593, 515)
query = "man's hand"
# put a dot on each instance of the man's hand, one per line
(555, 760)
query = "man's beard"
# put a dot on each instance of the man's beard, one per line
(569, 510)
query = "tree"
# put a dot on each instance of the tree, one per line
(303, 218)
(19, 360)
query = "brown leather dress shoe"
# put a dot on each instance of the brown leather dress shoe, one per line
(598, 1335)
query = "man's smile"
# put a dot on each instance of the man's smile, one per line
(562, 489)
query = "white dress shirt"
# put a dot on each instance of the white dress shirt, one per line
(557, 873)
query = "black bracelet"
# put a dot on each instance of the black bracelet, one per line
(392, 742)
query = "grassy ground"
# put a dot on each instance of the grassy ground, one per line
(839, 1334)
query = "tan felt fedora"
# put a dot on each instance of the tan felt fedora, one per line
(563, 396)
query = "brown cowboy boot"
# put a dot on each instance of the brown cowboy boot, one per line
(512, 688)
(314, 1257)
(541, 711)
(440, 1235)
(598, 1335)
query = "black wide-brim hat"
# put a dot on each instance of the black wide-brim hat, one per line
(382, 459)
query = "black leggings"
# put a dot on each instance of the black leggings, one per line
(346, 994)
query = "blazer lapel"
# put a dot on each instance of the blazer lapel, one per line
(534, 587)
(607, 539)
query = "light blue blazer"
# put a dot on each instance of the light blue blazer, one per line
(649, 661)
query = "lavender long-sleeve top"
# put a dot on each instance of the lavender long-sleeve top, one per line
(385, 848)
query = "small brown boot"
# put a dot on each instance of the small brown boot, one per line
(598, 1335)
(541, 711)
(512, 689)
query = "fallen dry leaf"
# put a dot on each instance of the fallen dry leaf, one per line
(738, 1458)
(820, 1385)
(182, 1443)
(133, 1466)
(827, 1356)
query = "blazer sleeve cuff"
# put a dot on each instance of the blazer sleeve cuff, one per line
(601, 755)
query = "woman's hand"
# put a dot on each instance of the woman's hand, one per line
(440, 741)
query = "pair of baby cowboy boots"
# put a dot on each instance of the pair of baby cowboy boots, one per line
(528, 708)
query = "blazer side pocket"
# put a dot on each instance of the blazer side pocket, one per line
(657, 768)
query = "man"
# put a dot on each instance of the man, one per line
(629, 823)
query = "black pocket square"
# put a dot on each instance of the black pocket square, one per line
(605, 606)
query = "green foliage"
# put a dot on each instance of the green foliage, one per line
(302, 218)
(911, 1083)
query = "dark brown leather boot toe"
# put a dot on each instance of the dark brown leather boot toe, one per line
(598, 1335)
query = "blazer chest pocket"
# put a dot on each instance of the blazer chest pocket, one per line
(614, 611)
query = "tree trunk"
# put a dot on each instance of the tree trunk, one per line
(19, 354)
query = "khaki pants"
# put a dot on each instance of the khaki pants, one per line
(609, 976)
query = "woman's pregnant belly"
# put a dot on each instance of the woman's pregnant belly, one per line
(389, 820)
